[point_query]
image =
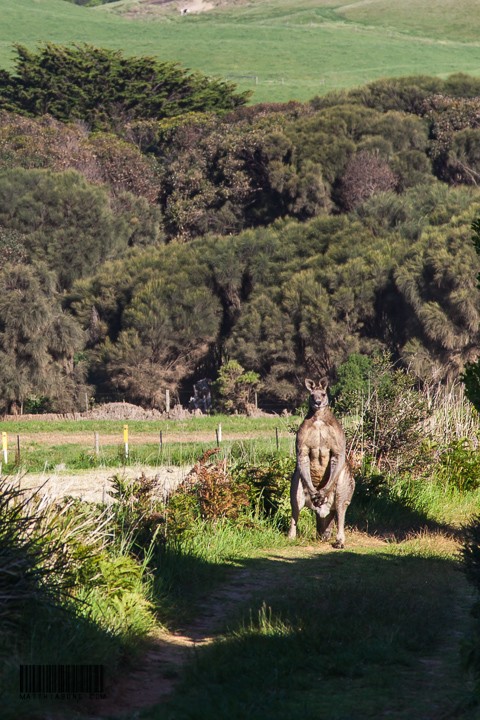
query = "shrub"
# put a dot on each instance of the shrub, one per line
(459, 465)
(392, 423)
(234, 387)
(351, 388)
(269, 485)
(209, 492)
(136, 513)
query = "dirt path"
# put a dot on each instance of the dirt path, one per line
(155, 678)
(94, 485)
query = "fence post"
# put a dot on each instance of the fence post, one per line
(167, 401)
(218, 433)
(97, 445)
(125, 440)
(276, 438)
(17, 452)
(5, 447)
(161, 441)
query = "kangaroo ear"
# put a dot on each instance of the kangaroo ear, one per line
(310, 385)
(324, 382)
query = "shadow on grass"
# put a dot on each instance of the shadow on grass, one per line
(43, 632)
(340, 635)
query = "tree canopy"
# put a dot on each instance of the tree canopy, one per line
(104, 88)
(182, 238)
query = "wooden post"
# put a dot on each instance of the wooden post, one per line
(86, 402)
(97, 444)
(5, 447)
(125, 440)
(17, 452)
(218, 433)
(167, 401)
(161, 441)
(276, 438)
(256, 399)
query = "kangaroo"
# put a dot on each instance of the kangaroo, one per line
(322, 479)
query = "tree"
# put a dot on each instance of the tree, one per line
(38, 341)
(69, 223)
(105, 89)
(167, 328)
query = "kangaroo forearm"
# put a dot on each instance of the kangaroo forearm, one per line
(305, 476)
(336, 464)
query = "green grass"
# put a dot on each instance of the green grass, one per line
(39, 458)
(205, 423)
(192, 567)
(290, 50)
(360, 634)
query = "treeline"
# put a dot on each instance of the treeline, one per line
(148, 243)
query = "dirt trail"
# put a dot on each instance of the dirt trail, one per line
(155, 678)
(94, 485)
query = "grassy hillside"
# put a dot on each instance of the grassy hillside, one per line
(287, 50)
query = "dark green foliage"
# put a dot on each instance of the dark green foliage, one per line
(353, 383)
(471, 380)
(38, 342)
(295, 295)
(222, 176)
(269, 484)
(68, 223)
(293, 299)
(471, 374)
(104, 88)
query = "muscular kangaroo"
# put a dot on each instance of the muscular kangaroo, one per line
(322, 479)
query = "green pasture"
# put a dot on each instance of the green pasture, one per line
(205, 423)
(278, 50)
(43, 458)
(44, 445)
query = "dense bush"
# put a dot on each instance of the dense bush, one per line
(209, 493)
(38, 342)
(308, 285)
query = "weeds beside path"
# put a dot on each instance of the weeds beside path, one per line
(311, 632)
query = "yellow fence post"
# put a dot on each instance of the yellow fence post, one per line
(5, 447)
(125, 439)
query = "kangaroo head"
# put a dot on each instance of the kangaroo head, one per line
(318, 393)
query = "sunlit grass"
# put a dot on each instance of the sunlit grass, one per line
(279, 51)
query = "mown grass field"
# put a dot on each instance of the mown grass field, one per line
(70, 444)
(286, 50)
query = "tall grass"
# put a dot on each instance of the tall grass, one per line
(67, 596)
